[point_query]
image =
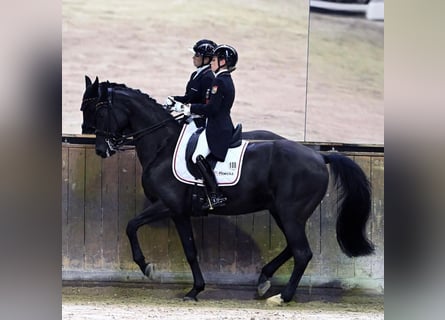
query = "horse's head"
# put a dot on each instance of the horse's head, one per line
(88, 106)
(110, 120)
(122, 114)
(90, 99)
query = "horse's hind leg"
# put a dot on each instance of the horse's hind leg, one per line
(270, 268)
(299, 247)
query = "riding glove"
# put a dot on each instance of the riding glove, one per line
(186, 109)
(169, 102)
(178, 107)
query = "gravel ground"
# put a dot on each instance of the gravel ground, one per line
(112, 302)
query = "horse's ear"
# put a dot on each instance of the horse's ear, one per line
(87, 81)
(95, 85)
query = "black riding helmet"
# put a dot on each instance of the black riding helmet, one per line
(204, 48)
(228, 53)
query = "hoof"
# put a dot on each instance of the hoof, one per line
(149, 271)
(275, 300)
(263, 287)
(192, 294)
(193, 299)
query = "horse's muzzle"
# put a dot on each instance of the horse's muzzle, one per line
(103, 153)
(105, 150)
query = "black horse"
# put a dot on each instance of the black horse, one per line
(91, 94)
(282, 176)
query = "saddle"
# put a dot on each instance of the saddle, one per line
(227, 173)
(193, 141)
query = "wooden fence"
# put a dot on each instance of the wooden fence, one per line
(101, 195)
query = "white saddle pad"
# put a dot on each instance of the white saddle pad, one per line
(227, 173)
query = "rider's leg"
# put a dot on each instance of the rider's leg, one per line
(215, 198)
(202, 147)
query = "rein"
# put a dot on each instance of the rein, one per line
(123, 139)
(119, 141)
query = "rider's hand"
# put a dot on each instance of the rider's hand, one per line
(187, 109)
(169, 102)
(178, 107)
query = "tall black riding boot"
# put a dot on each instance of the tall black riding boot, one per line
(214, 197)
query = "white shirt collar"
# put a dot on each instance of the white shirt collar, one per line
(200, 69)
(221, 71)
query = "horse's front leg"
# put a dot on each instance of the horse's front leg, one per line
(185, 231)
(155, 212)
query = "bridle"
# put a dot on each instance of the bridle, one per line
(86, 100)
(84, 108)
(116, 142)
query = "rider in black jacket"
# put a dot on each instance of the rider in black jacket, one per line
(198, 86)
(216, 137)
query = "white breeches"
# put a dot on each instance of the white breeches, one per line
(202, 147)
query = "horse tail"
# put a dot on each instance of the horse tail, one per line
(355, 205)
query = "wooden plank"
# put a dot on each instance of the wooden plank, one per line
(65, 225)
(155, 243)
(126, 205)
(227, 244)
(158, 236)
(75, 216)
(363, 264)
(159, 243)
(154, 238)
(140, 203)
(110, 213)
(346, 266)
(261, 240)
(228, 248)
(198, 234)
(93, 210)
(178, 261)
(277, 245)
(377, 233)
(210, 249)
(329, 246)
(244, 244)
